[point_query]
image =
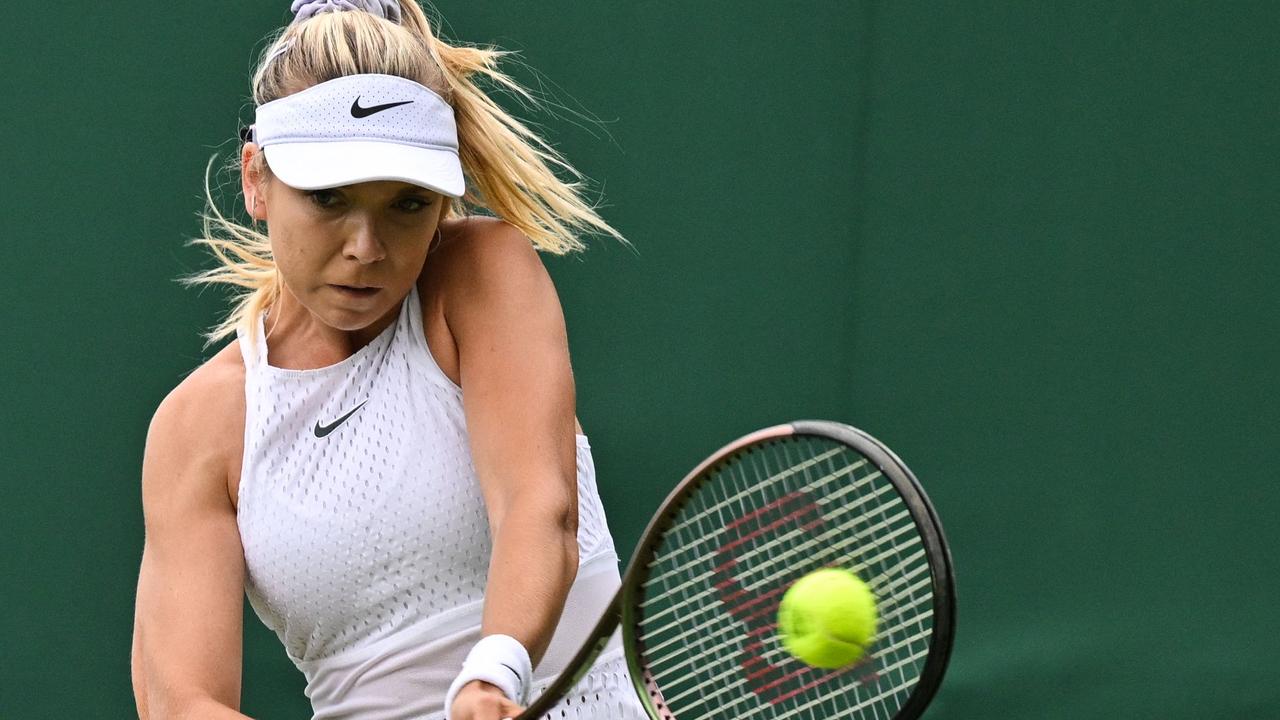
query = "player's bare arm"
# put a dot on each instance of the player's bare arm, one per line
(503, 312)
(187, 636)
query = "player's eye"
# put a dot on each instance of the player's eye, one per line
(414, 204)
(323, 198)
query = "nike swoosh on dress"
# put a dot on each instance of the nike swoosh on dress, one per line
(322, 430)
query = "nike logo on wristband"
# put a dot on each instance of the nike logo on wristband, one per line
(513, 671)
(322, 430)
(364, 112)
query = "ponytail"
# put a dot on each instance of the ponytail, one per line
(509, 165)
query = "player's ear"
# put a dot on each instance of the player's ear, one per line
(253, 180)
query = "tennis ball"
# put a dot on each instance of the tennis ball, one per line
(827, 618)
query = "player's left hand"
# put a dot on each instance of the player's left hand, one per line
(478, 700)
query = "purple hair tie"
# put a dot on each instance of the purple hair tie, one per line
(385, 9)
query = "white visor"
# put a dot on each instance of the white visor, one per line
(359, 128)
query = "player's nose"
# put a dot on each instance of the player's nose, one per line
(362, 244)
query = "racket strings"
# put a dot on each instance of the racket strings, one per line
(676, 637)
(678, 529)
(852, 489)
(887, 629)
(772, 579)
(797, 553)
(808, 678)
(866, 703)
(903, 657)
(759, 521)
(822, 540)
(782, 476)
(719, 680)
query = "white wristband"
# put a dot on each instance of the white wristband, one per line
(498, 660)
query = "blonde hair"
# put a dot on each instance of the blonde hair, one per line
(510, 169)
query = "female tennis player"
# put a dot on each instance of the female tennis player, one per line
(386, 458)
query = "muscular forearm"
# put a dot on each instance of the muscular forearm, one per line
(535, 559)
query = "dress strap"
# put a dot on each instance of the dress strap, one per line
(415, 332)
(253, 345)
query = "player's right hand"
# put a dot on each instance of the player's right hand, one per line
(479, 700)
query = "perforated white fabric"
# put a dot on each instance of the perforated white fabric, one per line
(366, 541)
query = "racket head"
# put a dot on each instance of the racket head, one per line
(699, 600)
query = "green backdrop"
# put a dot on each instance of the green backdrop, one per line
(1032, 246)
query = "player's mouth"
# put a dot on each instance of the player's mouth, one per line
(356, 291)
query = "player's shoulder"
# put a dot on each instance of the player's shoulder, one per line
(470, 229)
(479, 247)
(190, 453)
(205, 411)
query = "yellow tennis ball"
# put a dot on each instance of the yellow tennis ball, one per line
(827, 618)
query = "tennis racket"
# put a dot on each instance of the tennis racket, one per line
(698, 602)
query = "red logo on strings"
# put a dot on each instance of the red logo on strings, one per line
(759, 611)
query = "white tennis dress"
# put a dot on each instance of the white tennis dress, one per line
(366, 539)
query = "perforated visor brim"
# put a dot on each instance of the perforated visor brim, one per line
(317, 165)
